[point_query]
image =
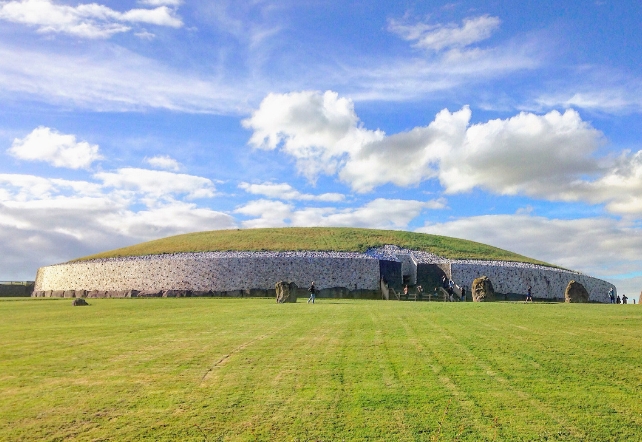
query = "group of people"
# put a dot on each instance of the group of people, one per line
(615, 299)
(449, 285)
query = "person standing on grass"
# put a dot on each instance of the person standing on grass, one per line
(617, 300)
(611, 296)
(313, 292)
(405, 291)
(529, 294)
(463, 294)
(624, 299)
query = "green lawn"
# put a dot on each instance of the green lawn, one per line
(342, 239)
(249, 369)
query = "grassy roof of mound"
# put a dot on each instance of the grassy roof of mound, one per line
(340, 239)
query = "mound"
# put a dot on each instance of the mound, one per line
(343, 262)
(337, 239)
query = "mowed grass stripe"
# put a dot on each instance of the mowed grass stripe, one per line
(248, 369)
(566, 364)
(524, 408)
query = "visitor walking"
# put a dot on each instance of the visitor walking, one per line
(624, 299)
(463, 294)
(529, 294)
(617, 299)
(611, 296)
(313, 292)
(420, 291)
(405, 292)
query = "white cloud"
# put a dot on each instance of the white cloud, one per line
(444, 36)
(44, 221)
(18, 187)
(175, 3)
(109, 78)
(284, 191)
(318, 130)
(380, 213)
(85, 20)
(597, 89)
(59, 150)
(528, 153)
(550, 156)
(145, 35)
(163, 162)
(620, 187)
(601, 247)
(157, 184)
(465, 71)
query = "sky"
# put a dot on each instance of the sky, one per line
(516, 124)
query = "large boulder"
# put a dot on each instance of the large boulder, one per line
(78, 302)
(482, 289)
(285, 292)
(575, 292)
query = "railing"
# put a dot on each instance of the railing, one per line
(17, 282)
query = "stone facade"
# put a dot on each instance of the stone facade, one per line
(203, 272)
(336, 274)
(547, 282)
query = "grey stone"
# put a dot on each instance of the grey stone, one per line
(285, 292)
(482, 289)
(79, 302)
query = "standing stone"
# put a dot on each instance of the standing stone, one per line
(575, 292)
(285, 292)
(78, 302)
(482, 289)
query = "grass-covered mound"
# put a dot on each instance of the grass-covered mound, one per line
(339, 239)
(339, 370)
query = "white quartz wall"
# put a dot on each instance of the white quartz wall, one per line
(546, 282)
(203, 274)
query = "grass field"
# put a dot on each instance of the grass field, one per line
(342, 239)
(249, 369)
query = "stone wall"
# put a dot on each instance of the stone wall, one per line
(209, 272)
(336, 274)
(514, 279)
(15, 290)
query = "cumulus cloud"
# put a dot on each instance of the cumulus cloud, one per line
(284, 191)
(163, 162)
(85, 20)
(528, 153)
(620, 187)
(59, 150)
(318, 130)
(444, 36)
(157, 184)
(45, 221)
(601, 247)
(380, 213)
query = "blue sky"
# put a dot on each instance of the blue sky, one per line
(513, 124)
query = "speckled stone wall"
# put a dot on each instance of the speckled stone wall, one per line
(206, 273)
(546, 282)
(228, 272)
